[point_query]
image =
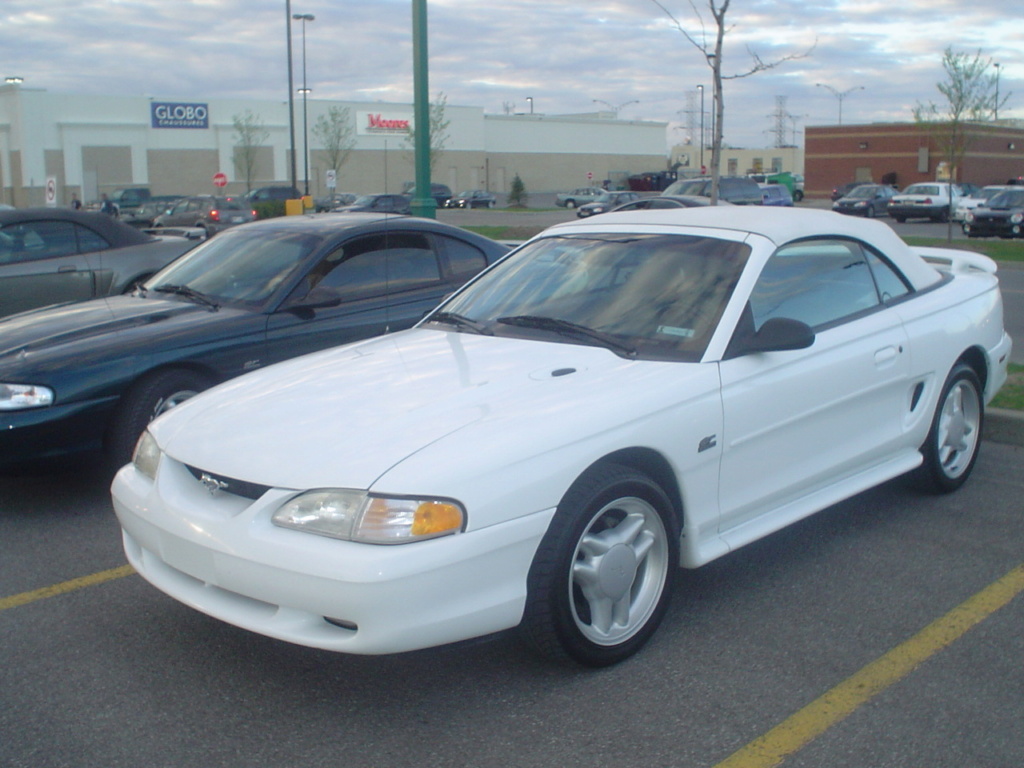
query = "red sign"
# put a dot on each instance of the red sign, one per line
(220, 180)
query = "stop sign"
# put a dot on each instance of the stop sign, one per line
(220, 180)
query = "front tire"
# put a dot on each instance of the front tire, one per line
(955, 436)
(148, 398)
(600, 582)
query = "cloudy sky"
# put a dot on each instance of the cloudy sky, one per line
(564, 54)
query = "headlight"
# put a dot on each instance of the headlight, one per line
(359, 516)
(15, 397)
(1016, 218)
(147, 455)
(969, 216)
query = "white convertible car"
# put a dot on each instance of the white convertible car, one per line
(619, 396)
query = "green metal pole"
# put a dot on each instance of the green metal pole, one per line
(423, 204)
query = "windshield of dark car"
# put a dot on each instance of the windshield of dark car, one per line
(239, 266)
(862, 192)
(1011, 198)
(687, 187)
(661, 295)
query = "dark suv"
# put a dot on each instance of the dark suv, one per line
(738, 190)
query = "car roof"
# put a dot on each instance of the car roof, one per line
(325, 224)
(111, 229)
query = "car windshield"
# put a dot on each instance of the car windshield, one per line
(862, 192)
(240, 266)
(1011, 198)
(922, 189)
(366, 199)
(657, 296)
(684, 187)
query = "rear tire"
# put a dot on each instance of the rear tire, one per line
(600, 582)
(955, 435)
(149, 397)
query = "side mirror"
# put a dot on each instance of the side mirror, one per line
(778, 334)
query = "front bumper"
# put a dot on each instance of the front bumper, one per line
(993, 228)
(224, 557)
(57, 430)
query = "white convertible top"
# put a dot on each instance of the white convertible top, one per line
(776, 224)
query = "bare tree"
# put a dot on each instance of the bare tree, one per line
(712, 51)
(438, 130)
(250, 134)
(969, 98)
(336, 131)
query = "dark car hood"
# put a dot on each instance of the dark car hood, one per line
(94, 322)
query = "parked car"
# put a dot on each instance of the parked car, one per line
(776, 195)
(606, 202)
(383, 203)
(265, 194)
(617, 397)
(578, 196)
(844, 189)
(146, 214)
(472, 198)
(207, 213)
(1001, 216)
(129, 199)
(253, 295)
(440, 192)
(58, 255)
(981, 197)
(738, 190)
(668, 201)
(928, 200)
(332, 201)
(791, 181)
(867, 200)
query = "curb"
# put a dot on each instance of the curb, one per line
(1003, 425)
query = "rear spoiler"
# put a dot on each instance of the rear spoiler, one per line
(949, 260)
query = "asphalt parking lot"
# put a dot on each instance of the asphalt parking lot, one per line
(882, 632)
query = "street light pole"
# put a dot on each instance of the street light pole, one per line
(291, 88)
(304, 17)
(530, 99)
(840, 95)
(701, 89)
(997, 65)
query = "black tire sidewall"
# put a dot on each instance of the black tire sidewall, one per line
(932, 471)
(548, 623)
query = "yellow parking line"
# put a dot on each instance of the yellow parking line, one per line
(64, 587)
(810, 722)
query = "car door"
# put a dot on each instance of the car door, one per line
(41, 264)
(368, 286)
(797, 421)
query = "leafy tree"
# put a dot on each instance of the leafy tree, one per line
(336, 131)
(438, 131)
(250, 135)
(712, 51)
(969, 92)
(517, 193)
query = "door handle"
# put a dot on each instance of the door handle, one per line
(886, 355)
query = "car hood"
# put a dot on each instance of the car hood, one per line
(92, 323)
(345, 417)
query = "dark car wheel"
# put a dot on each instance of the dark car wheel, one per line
(955, 436)
(570, 203)
(600, 582)
(150, 396)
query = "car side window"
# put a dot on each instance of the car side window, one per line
(89, 241)
(464, 260)
(819, 282)
(34, 240)
(377, 264)
(891, 284)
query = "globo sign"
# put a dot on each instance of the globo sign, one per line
(173, 115)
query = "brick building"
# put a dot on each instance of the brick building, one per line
(837, 154)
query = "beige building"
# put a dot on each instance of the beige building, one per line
(55, 145)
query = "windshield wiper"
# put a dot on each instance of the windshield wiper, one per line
(188, 293)
(569, 328)
(460, 321)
